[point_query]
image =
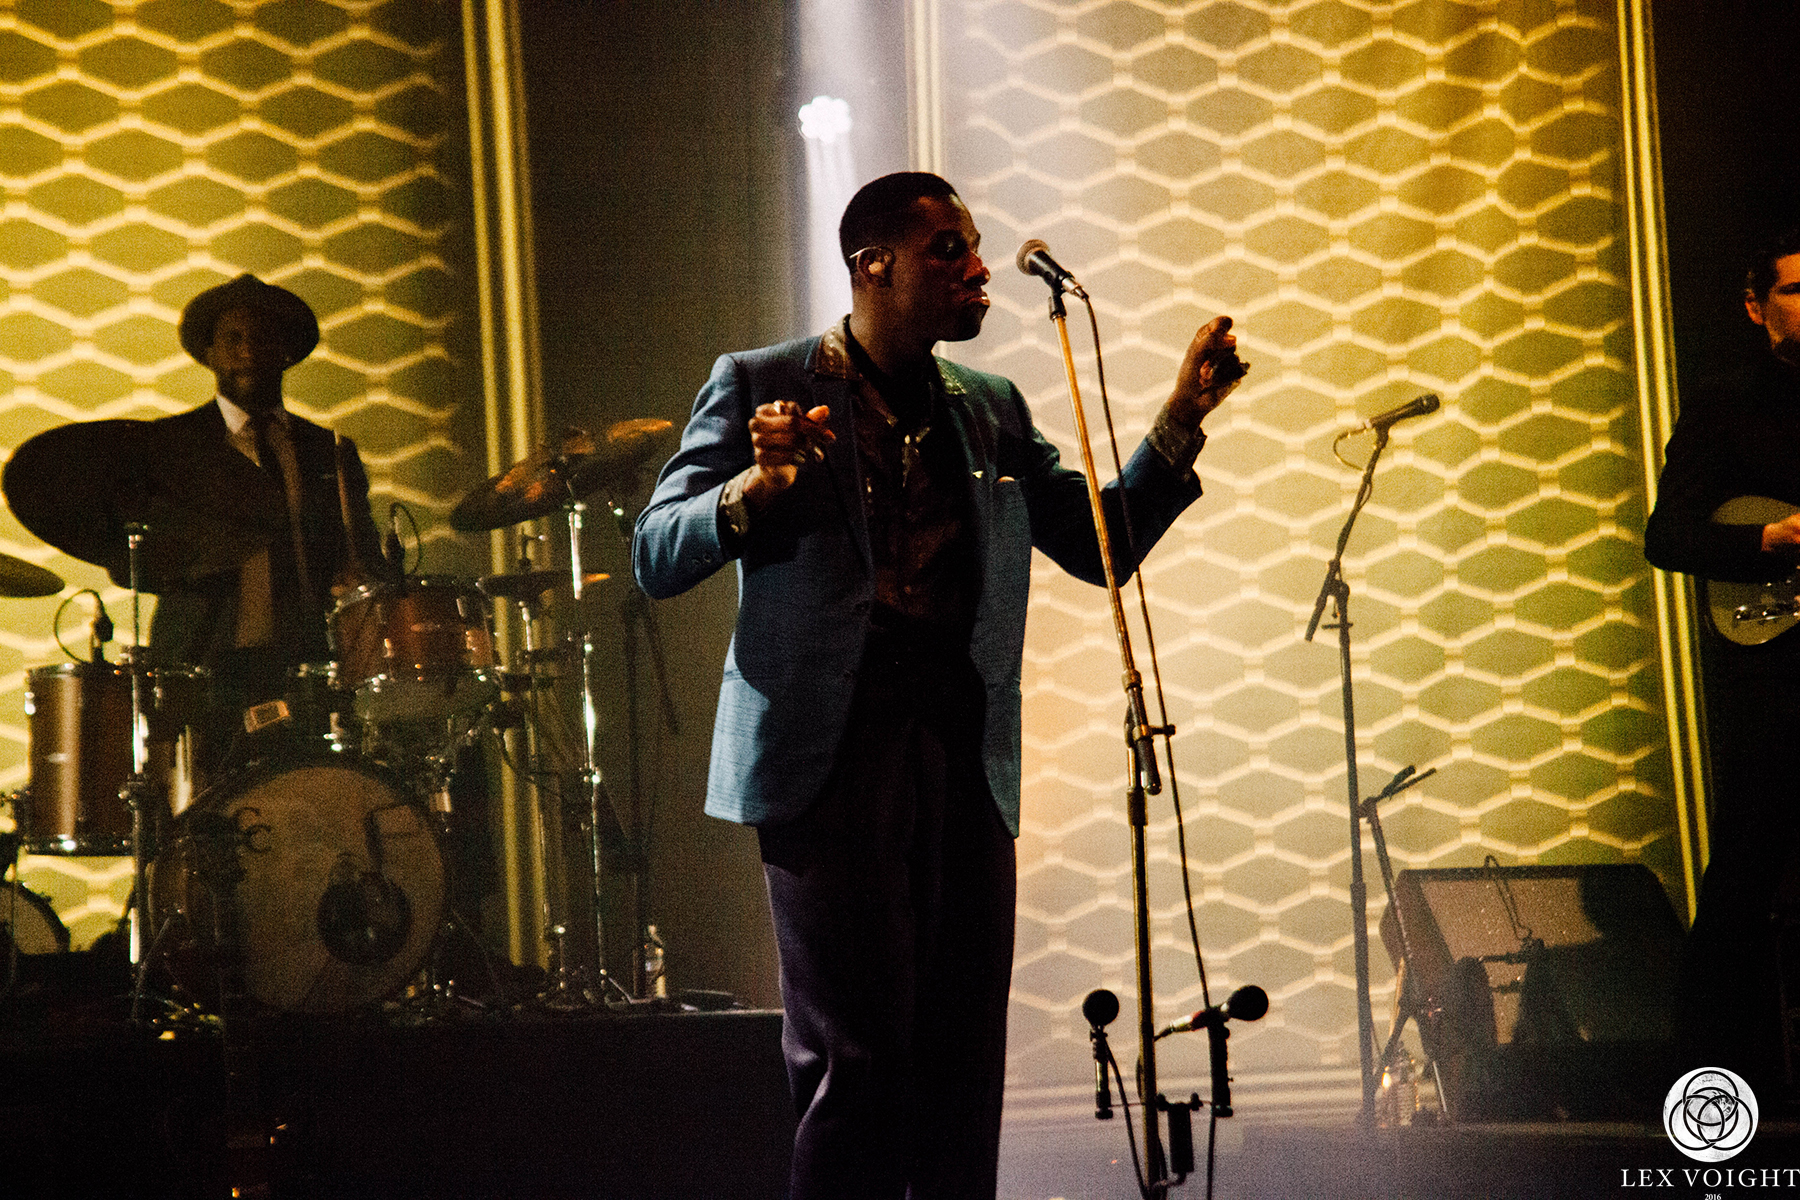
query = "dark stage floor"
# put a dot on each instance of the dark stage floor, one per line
(1259, 1161)
(621, 1106)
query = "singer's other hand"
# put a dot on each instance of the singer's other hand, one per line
(1209, 372)
(784, 439)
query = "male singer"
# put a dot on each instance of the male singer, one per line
(882, 504)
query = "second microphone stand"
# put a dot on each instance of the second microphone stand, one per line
(1336, 591)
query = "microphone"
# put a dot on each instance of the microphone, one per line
(1248, 1003)
(363, 917)
(391, 549)
(1100, 1007)
(1034, 259)
(101, 632)
(1428, 403)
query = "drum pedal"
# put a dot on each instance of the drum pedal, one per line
(260, 716)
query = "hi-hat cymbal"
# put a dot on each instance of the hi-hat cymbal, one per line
(552, 477)
(521, 585)
(201, 508)
(22, 580)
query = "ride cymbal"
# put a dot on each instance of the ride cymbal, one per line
(553, 477)
(202, 508)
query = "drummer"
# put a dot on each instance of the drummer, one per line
(252, 625)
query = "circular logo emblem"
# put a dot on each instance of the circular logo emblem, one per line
(1710, 1114)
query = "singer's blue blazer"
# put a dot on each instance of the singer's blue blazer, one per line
(805, 582)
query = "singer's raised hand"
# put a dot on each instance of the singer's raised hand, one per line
(784, 439)
(1209, 371)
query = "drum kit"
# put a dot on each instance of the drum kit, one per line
(310, 874)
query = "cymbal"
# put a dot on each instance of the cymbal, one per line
(552, 477)
(22, 580)
(522, 585)
(202, 507)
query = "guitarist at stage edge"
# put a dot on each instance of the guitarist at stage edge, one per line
(1735, 437)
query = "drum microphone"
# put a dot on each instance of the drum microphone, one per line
(1100, 1007)
(101, 630)
(363, 918)
(1248, 1003)
(391, 549)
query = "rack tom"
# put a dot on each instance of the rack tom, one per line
(418, 652)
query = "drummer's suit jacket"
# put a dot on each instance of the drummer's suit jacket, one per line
(805, 573)
(196, 620)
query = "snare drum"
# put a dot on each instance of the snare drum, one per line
(422, 651)
(336, 879)
(79, 723)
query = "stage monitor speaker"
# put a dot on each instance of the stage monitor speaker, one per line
(1540, 992)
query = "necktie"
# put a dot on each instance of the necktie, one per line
(290, 590)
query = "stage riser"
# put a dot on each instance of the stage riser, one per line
(636, 1107)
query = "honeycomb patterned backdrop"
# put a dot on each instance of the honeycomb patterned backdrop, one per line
(1391, 199)
(151, 150)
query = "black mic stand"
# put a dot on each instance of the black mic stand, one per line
(1336, 589)
(1144, 776)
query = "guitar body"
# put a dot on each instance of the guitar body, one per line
(1753, 613)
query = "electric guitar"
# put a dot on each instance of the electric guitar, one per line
(1753, 613)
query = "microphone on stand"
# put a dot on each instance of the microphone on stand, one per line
(1100, 1007)
(1034, 259)
(100, 632)
(1428, 403)
(393, 551)
(1248, 1003)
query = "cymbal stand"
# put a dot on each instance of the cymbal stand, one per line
(136, 789)
(591, 780)
(547, 739)
(565, 991)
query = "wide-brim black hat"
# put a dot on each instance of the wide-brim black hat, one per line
(292, 316)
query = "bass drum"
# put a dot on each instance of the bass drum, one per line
(335, 880)
(28, 919)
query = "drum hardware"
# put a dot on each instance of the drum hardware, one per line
(569, 988)
(154, 510)
(560, 477)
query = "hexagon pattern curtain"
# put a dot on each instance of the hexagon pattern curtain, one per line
(1391, 199)
(149, 151)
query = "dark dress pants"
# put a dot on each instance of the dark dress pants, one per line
(1729, 998)
(893, 902)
